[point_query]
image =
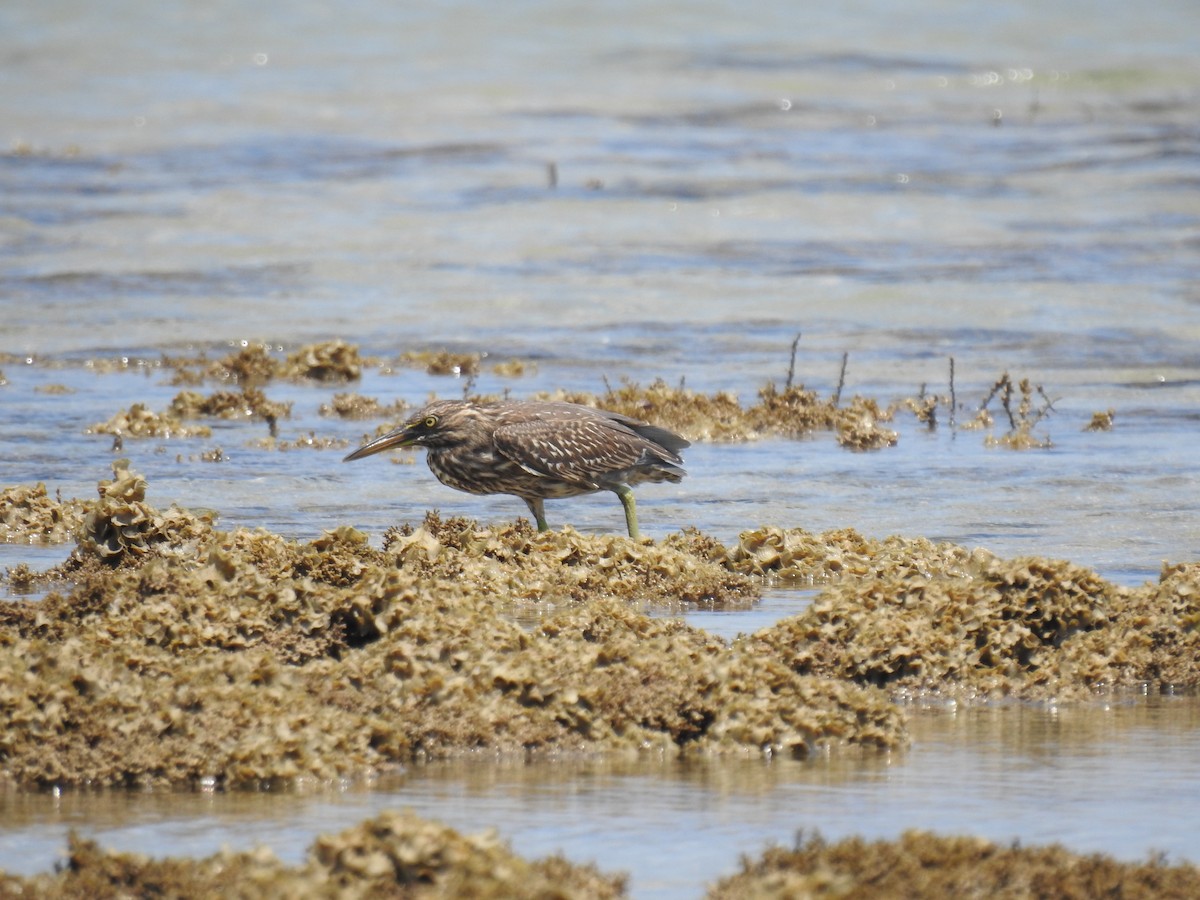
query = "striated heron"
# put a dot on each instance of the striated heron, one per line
(538, 451)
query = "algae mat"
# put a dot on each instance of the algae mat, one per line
(175, 653)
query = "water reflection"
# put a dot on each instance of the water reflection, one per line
(727, 623)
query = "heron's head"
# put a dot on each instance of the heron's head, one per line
(443, 423)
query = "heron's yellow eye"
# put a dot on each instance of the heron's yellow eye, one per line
(430, 421)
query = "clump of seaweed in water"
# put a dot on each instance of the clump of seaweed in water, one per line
(254, 365)
(356, 406)
(1101, 421)
(443, 362)
(251, 365)
(331, 361)
(28, 514)
(790, 412)
(247, 403)
(920, 864)
(858, 426)
(140, 422)
(716, 417)
(1022, 421)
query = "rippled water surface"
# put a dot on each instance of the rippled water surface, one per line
(638, 191)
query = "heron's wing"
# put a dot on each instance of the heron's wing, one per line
(668, 440)
(580, 451)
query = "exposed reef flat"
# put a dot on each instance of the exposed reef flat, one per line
(170, 652)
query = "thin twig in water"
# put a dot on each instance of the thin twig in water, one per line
(1006, 401)
(953, 401)
(928, 408)
(837, 395)
(991, 393)
(792, 363)
(1002, 382)
(1045, 410)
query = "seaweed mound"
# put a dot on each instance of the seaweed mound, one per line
(919, 864)
(795, 554)
(28, 514)
(392, 855)
(331, 361)
(516, 562)
(140, 422)
(1028, 627)
(121, 525)
(249, 402)
(186, 655)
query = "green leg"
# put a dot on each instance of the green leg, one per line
(625, 492)
(538, 507)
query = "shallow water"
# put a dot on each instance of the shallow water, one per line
(1088, 778)
(1012, 186)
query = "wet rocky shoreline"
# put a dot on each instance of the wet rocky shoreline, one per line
(168, 653)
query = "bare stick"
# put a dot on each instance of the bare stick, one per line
(1006, 400)
(792, 364)
(1000, 382)
(953, 401)
(929, 408)
(1045, 410)
(837, 396)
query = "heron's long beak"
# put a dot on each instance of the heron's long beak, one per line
(399, 437)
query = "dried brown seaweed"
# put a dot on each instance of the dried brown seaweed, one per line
(391, 855)
(919, 864)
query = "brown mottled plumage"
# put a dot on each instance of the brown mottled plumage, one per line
(538, 451)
